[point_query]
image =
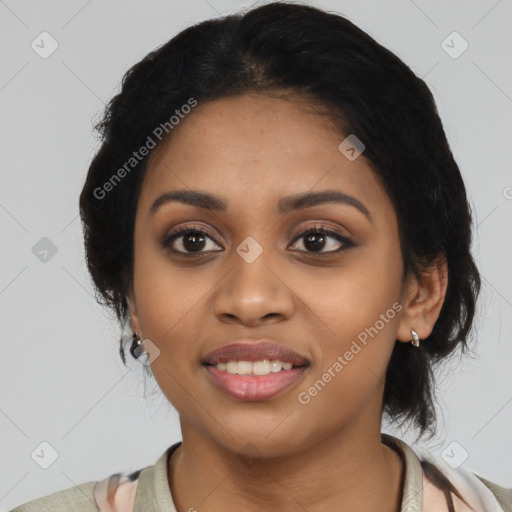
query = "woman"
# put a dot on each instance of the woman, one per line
(276, 216)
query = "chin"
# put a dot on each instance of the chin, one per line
(256, 439)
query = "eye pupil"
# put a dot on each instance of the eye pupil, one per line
(314, 238)
(198, 241)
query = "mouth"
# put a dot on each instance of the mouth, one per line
(254, 371)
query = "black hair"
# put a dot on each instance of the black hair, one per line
(366, 90)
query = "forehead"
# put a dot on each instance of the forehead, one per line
(257, 147)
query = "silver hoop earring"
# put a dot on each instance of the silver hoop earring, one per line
(415, 339)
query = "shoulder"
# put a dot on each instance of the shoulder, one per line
(79, 498)
(478, 491)
(502, 494)
(116, 493)
(429, 476)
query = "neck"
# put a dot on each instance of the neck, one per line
(349, 471)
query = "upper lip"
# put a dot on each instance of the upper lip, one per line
(254, 350)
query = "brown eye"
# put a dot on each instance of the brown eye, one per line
(192, 240)
(317, 238)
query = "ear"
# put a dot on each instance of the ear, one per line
(422, 300)
(134, 313)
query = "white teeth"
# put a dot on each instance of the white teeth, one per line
(232, 367)
(263, 367)
(244, 367)
(276, 366)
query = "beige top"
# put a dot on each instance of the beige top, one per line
(147, 490)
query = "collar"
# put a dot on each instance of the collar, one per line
(412, 494)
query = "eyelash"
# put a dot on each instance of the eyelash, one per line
(323, 230)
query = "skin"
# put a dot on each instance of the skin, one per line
(252, 150)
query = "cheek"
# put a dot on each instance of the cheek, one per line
(359, 304)
(352, 297)
(352, 362)
(168, 297)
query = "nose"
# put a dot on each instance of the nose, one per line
(253, 294)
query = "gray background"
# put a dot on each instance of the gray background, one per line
(61, 378)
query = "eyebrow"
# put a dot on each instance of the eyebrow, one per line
(285, 205)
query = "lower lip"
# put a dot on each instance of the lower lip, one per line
(255, 387)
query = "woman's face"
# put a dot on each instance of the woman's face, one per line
(336, 302)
